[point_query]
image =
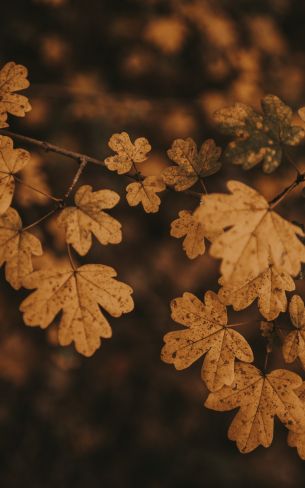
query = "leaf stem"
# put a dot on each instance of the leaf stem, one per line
(44, 217)
(300, 178)
(70, 257)
(19, 180)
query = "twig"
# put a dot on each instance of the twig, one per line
(277, 199)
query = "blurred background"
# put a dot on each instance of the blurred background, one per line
(159, 69)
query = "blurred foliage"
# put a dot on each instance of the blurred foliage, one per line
(160, 69)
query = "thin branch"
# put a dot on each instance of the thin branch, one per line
(81, 168)
(278, 198)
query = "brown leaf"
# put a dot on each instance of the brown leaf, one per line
(127, 152)
(88, 218)
(297, 439)
(16, 248)
(145, 192)
(194, 232)
(251, 235)
(259, 398)
(78, 293)
(191, 164)
(13, 77)
(294, 343)
(11, 161)
(268, 287)
(207, 333)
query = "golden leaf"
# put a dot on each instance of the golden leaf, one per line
(78, 293)
(191, 164)
(259, 138)
(294, 343)
(207, 333)
(259, 398)
(88, 218)
(16, 248)
(194, 232)
(268, 287)
(127, 152)
(297, 439)
(145, 192)
(13, 77)
(11, 161)
(251, 235)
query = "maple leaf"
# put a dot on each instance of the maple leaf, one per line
(251, 235)
(207, 332)
(259, 398)
(145, 192)
(259, 138)
(297, 439)
(11, 161)
(294, 343)
(194, 232)
(13, 77)
(268, 287)
(127, 152)
(16, 248)
(191, 164)
(88, 218)
(78, 293)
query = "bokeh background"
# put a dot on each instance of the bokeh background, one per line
(157, 69)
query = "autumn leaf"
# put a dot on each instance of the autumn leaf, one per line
(194, 232)
(145, 192)
(294, 343)
(78, 293)
(191, 164)
(127, 152)
(207, 332)
(16, 248)
(87, 218)
(259, 398)
(13, 77)
(297, 439)
(268, 287)
(259, 138)
(11, 161)
(251, 235)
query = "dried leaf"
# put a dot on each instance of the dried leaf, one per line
(252, 236)
(11, 161)
(127, 152)
(16, 248)
(13, 77)
(78, 293)
(259, 398)
(297, 439)
(294, 343)
(268, 287)
(191, 164)
(194, 232)
(207, 333)
(259, 138)
(145, 192)
(88, 218)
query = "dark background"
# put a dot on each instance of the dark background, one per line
(157, 69)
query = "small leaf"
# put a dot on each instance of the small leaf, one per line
(127, 152)
(16, 248)
(88, 218)
(145, 192)
(294, 343)
(207, 333)
(13, 77)
(191, 165)
(78, 293)
(259, 398)
(297, 439)
(11, 161)
(194, 232)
